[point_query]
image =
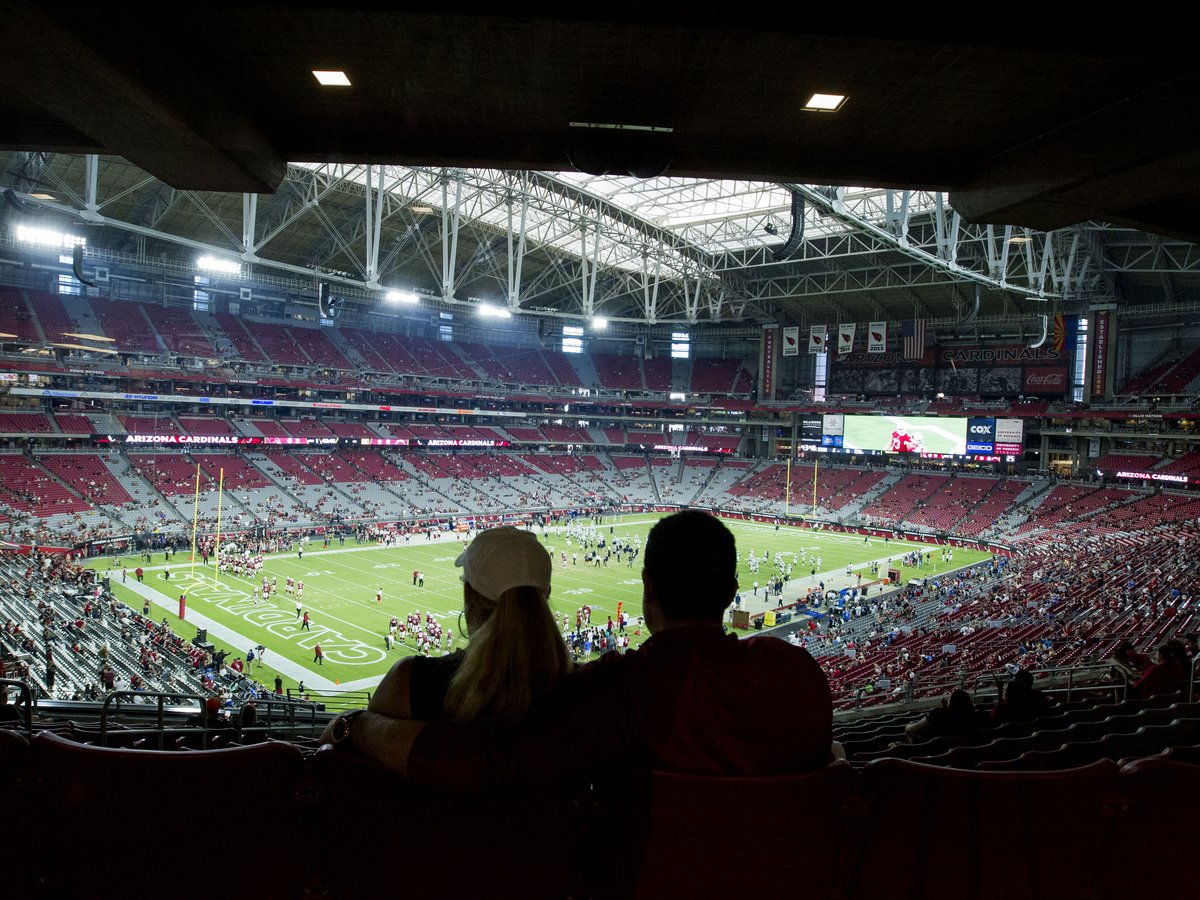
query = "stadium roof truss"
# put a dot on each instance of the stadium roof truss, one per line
(658, 250)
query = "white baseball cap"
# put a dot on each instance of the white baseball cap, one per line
(503, 558)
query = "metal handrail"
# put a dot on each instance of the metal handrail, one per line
(160, 722)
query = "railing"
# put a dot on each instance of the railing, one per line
(24, 704)
(161, 700)
(328, 701)
(1065, 682)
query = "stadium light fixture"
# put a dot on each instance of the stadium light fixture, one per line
(45, 237)
(331, 77)
(216, 264)
(599, 323)
(495, 312)
(825, 102)
(402, 297)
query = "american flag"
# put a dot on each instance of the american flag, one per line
(912, 333)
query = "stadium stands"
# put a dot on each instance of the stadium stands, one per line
(180, 331)
(126, 323)
(25, 423)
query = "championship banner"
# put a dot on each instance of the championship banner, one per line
(817, 335)
(846, 338)
(791, 341)
(877, 337)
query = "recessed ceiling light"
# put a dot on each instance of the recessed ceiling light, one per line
(331, 78)
(825, 102)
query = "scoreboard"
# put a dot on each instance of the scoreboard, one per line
(929, 437)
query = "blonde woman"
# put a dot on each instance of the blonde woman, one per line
(515, 653)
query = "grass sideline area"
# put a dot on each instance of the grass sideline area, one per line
(340, 583)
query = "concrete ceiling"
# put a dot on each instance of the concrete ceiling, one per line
(1044, 119)
(1040, 120)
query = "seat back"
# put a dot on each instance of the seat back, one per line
(1160, 829)
(166, 802)
(504, 843)
(723, 837)
(936, 833)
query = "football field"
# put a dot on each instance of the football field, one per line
(341, 581)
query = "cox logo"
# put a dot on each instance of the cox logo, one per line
(981, 429)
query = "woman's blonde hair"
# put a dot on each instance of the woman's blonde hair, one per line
(512, 660)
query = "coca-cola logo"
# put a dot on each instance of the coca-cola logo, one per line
(1050, 379)
(1045, 380)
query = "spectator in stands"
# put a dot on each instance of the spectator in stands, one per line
(692, 699)
(956, 716)
(1129, 661)
(515, 654)
(1168, 674)
(1021, 701)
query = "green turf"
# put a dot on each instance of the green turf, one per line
(340, 585)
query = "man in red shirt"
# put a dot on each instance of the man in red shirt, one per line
(691, 699)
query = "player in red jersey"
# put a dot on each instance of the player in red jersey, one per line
(903, 442)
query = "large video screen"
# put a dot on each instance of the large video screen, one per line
(906, 434)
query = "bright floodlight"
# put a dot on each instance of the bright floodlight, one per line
(825, 102)
(45, 237)
(494, 312)
(599, 323)
(216, 264)
(402, 297)
(330, 78)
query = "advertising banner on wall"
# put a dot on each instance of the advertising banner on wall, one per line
(998, 370)
(1045, 381)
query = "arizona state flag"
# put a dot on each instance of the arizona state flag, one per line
(1066, 333)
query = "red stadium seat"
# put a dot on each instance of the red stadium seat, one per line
(944, 833)
(520, 843)
(692, 836)
(1156, 845)
(205, 822)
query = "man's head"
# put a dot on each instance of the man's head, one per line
(690, 567)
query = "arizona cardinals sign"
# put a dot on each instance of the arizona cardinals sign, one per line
(877, 337)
